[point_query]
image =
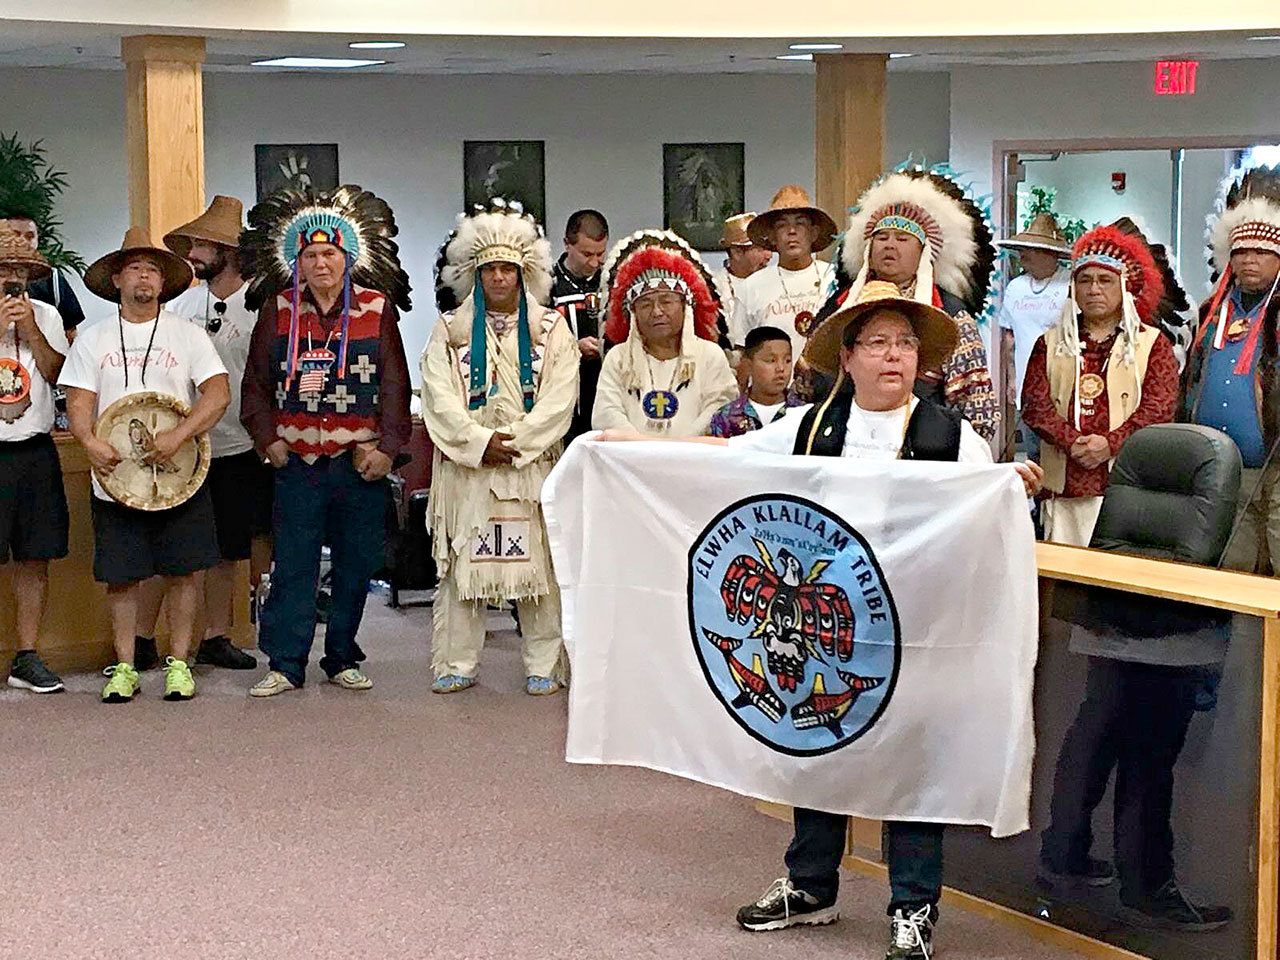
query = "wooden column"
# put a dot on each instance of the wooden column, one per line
(849, 128)
(164, 129)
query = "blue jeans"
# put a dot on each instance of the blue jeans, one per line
(325, 502)
(913, 852)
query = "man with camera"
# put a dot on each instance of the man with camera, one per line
(33, 506)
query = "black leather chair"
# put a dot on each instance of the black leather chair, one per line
(1172, 495)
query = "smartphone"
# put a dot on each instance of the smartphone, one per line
(12, 288)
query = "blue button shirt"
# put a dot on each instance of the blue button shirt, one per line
(1227, 399)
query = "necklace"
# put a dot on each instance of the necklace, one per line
(660, 406)
(1044, 285)
(804, 320)
(146, 357)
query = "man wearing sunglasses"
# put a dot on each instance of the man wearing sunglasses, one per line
(239, 482)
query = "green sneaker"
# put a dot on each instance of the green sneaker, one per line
(123, 685)
(178, 682)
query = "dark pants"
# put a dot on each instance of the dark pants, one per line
(315, 504)
(912, 850)
(1134, 717)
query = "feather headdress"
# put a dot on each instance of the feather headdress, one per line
(656, 260)
(1248, 216)
(502, 232)
(1151, 296)
(350, 217)
(952, 227)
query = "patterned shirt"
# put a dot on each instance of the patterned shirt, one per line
(739, 416)
(1159, 395)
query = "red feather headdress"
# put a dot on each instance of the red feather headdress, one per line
(1124, 253)
(657, 260)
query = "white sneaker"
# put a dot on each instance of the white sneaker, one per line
(351, 679)
(270, 685)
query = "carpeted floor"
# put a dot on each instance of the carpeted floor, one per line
(393, 824)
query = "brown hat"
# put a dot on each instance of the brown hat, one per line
(1042, 233)
(735, 231)
(177, 272)
(16, 252)
(792, 198)
(937, 331)
(220, 224)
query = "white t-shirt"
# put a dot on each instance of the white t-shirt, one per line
(181, 358)
(869, 435)
(231, 340)
(1028, 314)
(773, 297)
(38, 417)
(767, 411)
(727, 285)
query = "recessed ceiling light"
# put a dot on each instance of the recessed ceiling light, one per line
(1267, 36)
(317, 63)
(900, 56)
(817, 46)
(376, 44)
(795, 56)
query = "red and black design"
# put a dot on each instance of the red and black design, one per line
(796, 616)
(658, 258)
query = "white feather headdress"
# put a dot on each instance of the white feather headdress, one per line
(503, 233)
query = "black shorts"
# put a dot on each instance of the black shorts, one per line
(33, 504)
(131, 545)
(241, 487)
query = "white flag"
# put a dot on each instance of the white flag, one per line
(838, 634)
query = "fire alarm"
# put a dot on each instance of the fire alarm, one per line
(1117, 181)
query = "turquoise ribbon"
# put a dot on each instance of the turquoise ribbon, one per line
(479, 381)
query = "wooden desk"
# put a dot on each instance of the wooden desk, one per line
(76, 634)
(1222, 590)
(1238, 593)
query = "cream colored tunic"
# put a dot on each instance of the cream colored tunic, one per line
(489, 534)
(700, 378)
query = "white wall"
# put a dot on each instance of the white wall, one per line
(402, 137)
(1234, 99)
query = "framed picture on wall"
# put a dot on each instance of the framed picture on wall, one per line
(509, 169)
(702, 186)
(298, 165)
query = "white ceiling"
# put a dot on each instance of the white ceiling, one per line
(33, 44)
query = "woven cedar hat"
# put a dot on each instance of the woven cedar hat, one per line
(220, 224)
(937, 331)
(792, 198)
(15, 252)
(1042, 233)
(177, 273)
(735, 231)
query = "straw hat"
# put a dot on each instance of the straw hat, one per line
(735, 231)
(177, 273)
(792, 198)
(1042, 233)
(220, 224)
(937, 332)
(16, 252)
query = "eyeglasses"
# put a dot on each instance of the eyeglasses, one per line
(213, 324)
(880, 346)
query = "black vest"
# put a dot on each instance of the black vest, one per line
(932, 434)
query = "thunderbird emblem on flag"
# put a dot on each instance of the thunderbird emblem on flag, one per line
(774, 628)
(313, 366)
